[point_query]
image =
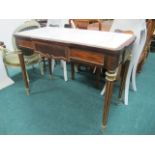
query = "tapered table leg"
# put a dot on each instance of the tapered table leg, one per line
(123, 78)
(50, 68)
(98, 77)
(23, 68)
(110, 78)
(72, 71)
(44, 64)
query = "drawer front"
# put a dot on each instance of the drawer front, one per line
(87, 56)
(51, 50)
(25, 43)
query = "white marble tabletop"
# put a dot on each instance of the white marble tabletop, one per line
(99, 39)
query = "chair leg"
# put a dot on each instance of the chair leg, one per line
(6, 68)
(103, 90)
(65, 70)
(33, 68)
(125, 68)
(134, 71)
(53, 65)
(94, 70)
(76, 68)
(41, 65)
(140, 67)
(61, 64)
(25, 75)
(49, 67)
(134, 78)
(141, 64)
(44, 63)
(28, 79)
(97, 77)
(127, 84)
(72, 71)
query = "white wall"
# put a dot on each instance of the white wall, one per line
(7, 27)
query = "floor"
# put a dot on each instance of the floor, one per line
(75, 107)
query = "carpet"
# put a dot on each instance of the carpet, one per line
(56, 107)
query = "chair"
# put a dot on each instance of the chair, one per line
(138, 27)
(57, 23)
(11, 58)
(83, 24)
(102, 25)
(5, 81)
(145, 53)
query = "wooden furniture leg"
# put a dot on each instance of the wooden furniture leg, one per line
(23, 68)
(79, 67)
(110, 78)
(44, 64)
(123, 78)
(97, 76)
(72, 71)
(50, 68)
(140, 66)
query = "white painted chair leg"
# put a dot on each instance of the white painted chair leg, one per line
(65, 70)
(103, 90)
(41, 65)
(53, 65)
(134, 72)
(127, 84)
(94, 71)
(141, 43)
(61, 64)
(76, 68)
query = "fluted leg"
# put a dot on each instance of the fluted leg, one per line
(49, 67)
(25, 77)
(72, 71)
(97, 76)
(125, 68)
(110, 78)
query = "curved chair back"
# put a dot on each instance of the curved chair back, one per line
(28, 25)
(84, 23)
(138, 27)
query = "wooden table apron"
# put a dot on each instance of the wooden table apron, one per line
(72, 52)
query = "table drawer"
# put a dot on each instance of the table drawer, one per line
(87, 56)
(25, 43)
(51, 50)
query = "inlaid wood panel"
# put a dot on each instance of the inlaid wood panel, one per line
(51, 50)
(87, 56)
(25, 43)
